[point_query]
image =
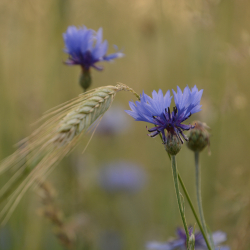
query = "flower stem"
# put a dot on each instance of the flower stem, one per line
(194, 212)
(177, 191)
(198, 193)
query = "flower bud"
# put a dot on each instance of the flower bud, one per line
(191, 242)
(172, 144)
(85, 79)
(198, 137)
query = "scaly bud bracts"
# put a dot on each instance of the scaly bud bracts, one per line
(192, 242)
(85, 79)
(172, 144)
(198, 137)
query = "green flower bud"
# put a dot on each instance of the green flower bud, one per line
(191, 242)
(85, 79)
(198, 137)
(172, 144)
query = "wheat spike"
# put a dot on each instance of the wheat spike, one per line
(54, 214)
(46, 146)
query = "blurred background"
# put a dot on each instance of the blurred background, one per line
(166, 43)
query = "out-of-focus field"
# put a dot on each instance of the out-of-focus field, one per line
(167, 43)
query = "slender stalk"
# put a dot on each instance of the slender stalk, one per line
(198, 194)
(177, 191)
(198, 190)
(194, 212)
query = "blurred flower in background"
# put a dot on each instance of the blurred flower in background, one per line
(85, 47)
(122, 176)
(114, 122)
(180, 243)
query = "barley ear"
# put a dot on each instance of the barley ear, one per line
(61, 131)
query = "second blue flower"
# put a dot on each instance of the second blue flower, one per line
(156, 110)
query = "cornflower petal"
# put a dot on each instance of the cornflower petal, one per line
(98, 37)
(85, 40)
(113, 56)
(187, 102)
(219, 237)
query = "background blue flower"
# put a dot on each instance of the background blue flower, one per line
(114, 122)
(180, 243)
(85, 47)
(122, 176)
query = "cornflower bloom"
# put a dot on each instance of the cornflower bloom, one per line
(156, 110)
(114, 122)
(122, 176)
(86, 48)
(218, 237)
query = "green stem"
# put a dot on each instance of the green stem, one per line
(198, 193)
(177, 191)
(194, 212)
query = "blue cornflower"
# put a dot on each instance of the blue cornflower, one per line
(122, 176)
(180, 243)
(85, 47)
(156, 110)
(114, 122)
